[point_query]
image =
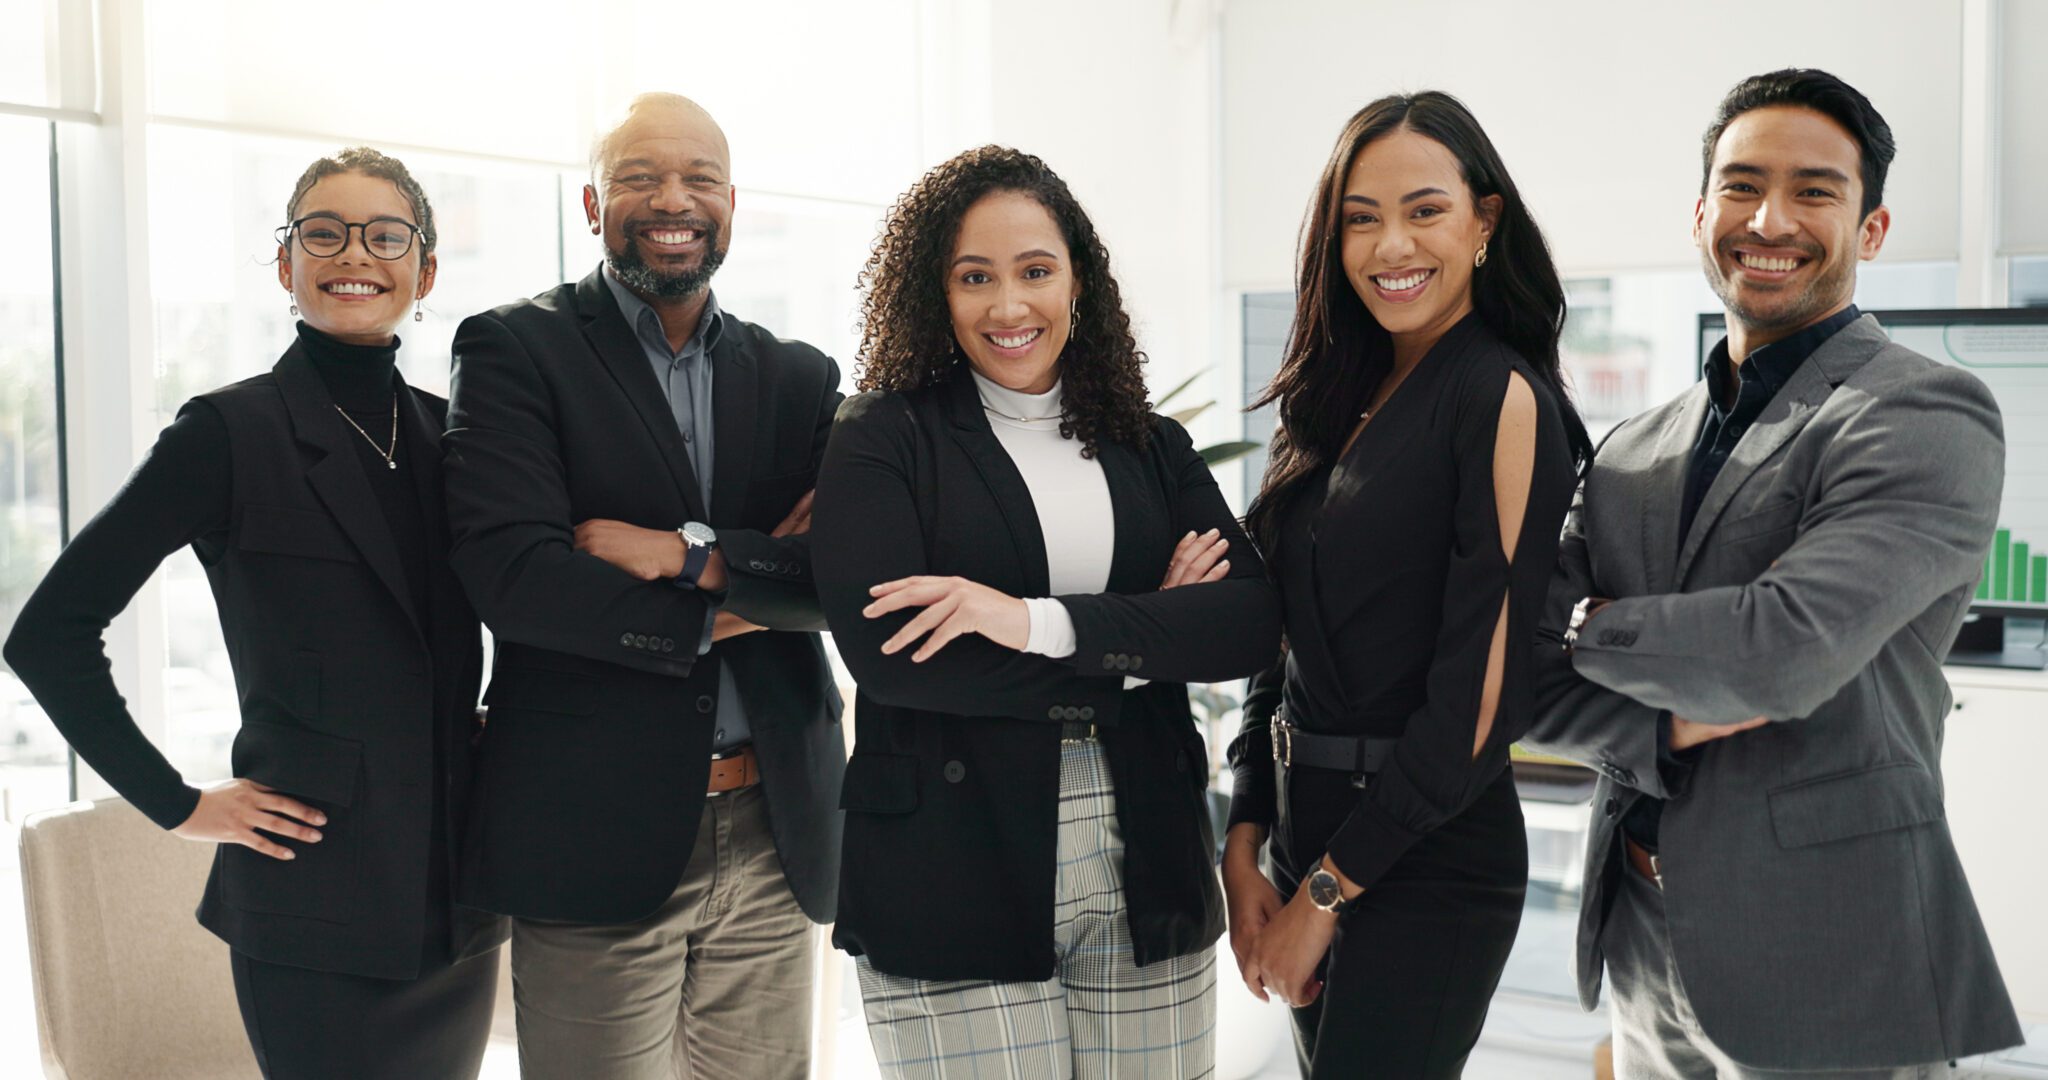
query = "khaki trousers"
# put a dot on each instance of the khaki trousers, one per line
(716, 984)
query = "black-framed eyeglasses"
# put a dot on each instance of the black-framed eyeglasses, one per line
(326, 235)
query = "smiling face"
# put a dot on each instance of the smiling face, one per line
(352, 295)
(1780, 228)
(663, 200)
(1011, 289)
(1409, 229)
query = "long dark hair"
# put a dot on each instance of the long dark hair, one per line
(907, 328)
(1338, 354)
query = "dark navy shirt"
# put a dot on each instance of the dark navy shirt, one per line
(1729, 416)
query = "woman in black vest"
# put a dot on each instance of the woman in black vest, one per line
(312, 495)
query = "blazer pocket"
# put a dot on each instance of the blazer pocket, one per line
(1776, 518)
(540, 690)
(880, 784)
(1854, 804)
(281, 530)
(325, 772)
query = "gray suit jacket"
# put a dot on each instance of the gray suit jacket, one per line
(1819, 916)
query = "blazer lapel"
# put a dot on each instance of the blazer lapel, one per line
(735, 397)
(1140, 519)
(620, 351)
(1013, 498)
(337, 477)
(1662, 494)
(1795, 404)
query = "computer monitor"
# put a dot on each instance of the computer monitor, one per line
(2008, 349)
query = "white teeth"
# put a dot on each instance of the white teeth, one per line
(353, 288)
(1758, 262)
(1017, 341)
(681, 236)
(1400, 283)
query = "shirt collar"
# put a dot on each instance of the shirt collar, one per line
(1774, 363)
(638, 311)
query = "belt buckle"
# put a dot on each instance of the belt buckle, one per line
(1077, 740)
(1283, 747)
(1657, 870)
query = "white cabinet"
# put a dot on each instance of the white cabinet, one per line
(1994, 767)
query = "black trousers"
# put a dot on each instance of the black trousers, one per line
(320, 1025)
(1416, 960)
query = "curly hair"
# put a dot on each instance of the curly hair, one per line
(375, 163)
(907, 339)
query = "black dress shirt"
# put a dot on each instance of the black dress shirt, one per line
(1729, 416)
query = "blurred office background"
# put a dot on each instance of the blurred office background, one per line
(147, 148)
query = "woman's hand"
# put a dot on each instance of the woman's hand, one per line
(952, 606)
(1291, 947)
(1251, 899)
(230, 813)
(1197, 558)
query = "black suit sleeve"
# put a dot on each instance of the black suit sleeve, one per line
(512, 530)
(770, 580)
(179, 493)
(1172, 634)
(867, 531)
(1254, 792)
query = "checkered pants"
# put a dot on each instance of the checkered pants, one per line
(1098, 1016)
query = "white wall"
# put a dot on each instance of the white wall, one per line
(1118, 99)
(1597, 107)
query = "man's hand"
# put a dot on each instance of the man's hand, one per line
(798, 521)
(952, 606)
(647, 554)
(1197, 558)
(1686, 734)
(1251, 900)
(230, 813)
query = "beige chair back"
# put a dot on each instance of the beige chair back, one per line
(127, 984)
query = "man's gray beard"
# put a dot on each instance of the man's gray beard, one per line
(644, 279)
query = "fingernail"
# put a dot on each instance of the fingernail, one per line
(1190, 535)
(1213, 532)
(315, 839)
(318, 819)
(290, 854)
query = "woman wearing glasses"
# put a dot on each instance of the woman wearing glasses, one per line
(312, 495)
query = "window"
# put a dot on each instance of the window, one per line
(34, 762)
(28, 32)
(2029, 281)
(222, 316)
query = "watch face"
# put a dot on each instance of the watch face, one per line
(1324, 891)
(700, 533)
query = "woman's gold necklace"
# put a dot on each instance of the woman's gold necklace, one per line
(390, 456)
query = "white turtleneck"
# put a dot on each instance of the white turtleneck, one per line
(1071, 496)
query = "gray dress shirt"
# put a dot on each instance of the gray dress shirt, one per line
(685, 378)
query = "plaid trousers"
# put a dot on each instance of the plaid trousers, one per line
(1098, 1016)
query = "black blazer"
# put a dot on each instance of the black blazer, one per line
(953, 789)
(344, 686)
(594, 764)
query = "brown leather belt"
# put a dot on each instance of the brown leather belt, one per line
(1645, 862)
(736, 770)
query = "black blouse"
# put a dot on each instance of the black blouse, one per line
(1392, 570)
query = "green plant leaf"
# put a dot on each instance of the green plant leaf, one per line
(1187, 416)
(1185, 383)
(1226, 451)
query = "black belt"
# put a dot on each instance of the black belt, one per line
(1294, 747)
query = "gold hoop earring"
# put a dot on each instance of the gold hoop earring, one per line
(1479, 257)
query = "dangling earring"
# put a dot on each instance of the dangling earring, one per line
(295, 309)
(1479, 257)
(417, 314)
(1074, 320)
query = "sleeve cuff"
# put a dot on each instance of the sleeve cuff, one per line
(1254, 797)
(710, 623)
(1369, 843)
(174, 809)
(1052, 628)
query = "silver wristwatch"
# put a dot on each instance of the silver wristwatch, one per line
(1571, 630)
